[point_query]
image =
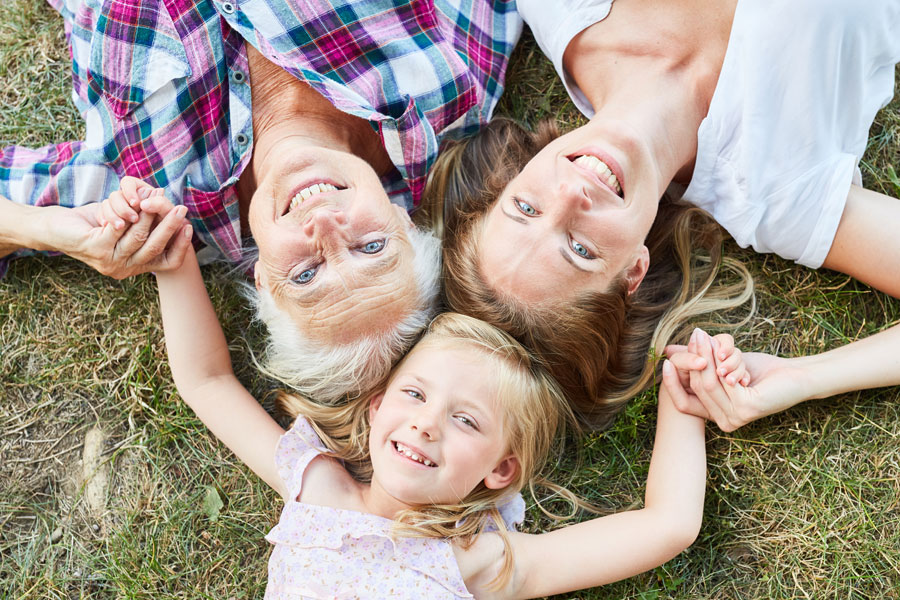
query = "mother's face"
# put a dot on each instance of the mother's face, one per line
(333, 251)
(572, 221)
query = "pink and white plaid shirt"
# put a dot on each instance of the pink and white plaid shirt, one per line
(163, 88)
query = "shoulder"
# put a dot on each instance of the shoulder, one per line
(482, 561)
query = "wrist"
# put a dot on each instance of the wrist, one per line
(20, 227)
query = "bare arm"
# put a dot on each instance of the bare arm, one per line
(867, 242)
(201, 367)
(614, 547)
(154, 240)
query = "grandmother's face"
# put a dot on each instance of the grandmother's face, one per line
(333, 251)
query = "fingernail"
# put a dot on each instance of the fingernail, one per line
(714, 342)
(188, 231)
(181, 211)
(144, 192)
(134, 218)
(700, 363)
(145, 204)
(694, 335)
(667, 367)
(722, 372)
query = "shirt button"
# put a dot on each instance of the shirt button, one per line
(238, 77)
(241, 139)
(227, 8)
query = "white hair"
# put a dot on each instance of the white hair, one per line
(329, 374)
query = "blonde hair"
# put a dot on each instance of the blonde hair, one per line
(600, 346)
(535, 416)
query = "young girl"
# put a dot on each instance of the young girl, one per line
(412, 491)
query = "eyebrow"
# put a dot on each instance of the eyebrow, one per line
(515, 218)
(571, 260)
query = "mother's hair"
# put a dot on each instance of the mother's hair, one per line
(597, 345)
(330, 374)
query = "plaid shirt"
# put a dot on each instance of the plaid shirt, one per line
(163, 88)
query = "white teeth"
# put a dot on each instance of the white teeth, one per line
(602, 170)
(308, 192)
(410, 454)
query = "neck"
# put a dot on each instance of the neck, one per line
(378, 502)
(284, 107)
(658, 79)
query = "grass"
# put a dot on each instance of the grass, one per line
(805, 504)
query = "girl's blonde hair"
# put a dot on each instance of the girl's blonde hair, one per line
(599, 346)
(534, 412)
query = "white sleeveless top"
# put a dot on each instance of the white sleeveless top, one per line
(800, 86)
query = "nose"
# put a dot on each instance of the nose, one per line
(426, 423)
(322, 224)
(571, 197)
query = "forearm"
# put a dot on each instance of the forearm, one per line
(676, 482)
(22, 226)
(868, 363)
(198, 352)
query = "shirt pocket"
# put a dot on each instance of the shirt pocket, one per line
(135, 51)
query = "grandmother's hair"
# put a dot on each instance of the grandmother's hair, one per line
(601, 347)
(331, 374)
(535, 418)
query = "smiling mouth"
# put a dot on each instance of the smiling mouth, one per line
(310, 192)
(606, 175)
(408, 453)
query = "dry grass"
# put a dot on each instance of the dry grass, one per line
(799, 505)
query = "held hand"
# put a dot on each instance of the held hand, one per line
(729, 363)
(778, 384)
(157, 241)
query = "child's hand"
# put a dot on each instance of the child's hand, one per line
(729, 359)
(123, 206)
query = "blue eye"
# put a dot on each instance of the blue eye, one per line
(466, 421)
(306, 275)
(525, 208)
(580, 250)
(373, 247)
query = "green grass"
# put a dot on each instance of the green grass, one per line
(805, 504)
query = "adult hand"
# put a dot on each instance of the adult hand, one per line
(157, 241)
(777, 384)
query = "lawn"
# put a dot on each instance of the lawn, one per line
(112, 489)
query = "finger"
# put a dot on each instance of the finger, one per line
(682, 400)
(160, 237)
(157, 204)
(136, 236)
(672, 349)
(120, 206)
(730, 364)
(723, 344)
(108, 212)
(706, 384)
(177, 250)
(134, 190)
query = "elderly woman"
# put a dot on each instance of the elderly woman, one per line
(759, 109)
(314, 126)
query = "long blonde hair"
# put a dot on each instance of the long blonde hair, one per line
(535, 416)
(599, 346)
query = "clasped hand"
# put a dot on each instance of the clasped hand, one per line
(134, 231)
(732, 388)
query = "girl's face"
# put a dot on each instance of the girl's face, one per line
(437, 431)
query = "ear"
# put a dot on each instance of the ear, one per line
(634, 274)
(374, 405)
(503, 473)
(259, 275)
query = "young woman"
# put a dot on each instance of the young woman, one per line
(758, 110)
